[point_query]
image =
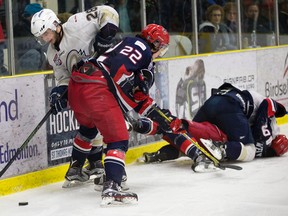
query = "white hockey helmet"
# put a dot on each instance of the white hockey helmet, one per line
(43, 20)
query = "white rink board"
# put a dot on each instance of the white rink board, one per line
(272, 79)
(22, 106)
(236, 68)
(250, 70)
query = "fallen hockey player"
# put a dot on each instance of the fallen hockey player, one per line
(242, 123)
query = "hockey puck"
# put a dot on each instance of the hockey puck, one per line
(23, 203)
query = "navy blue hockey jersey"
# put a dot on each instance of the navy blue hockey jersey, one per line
(123, 63)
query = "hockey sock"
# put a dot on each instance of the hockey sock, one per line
(81, 149)
(189, 149)
(95, 154)
(114, 164)
(184, 145)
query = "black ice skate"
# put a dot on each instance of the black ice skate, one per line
(112, 194)
(75, 175)
(99, 181)
(94, 169)
(154, 157)
(202, 164)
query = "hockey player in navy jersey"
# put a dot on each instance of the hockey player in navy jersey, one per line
(101, 90)
(243, 123)
(248, 120)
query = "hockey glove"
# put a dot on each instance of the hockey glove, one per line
(58, 98)
(142, 83)
(172, 126)
(145, 126)
(175, 125)
(142, 86)
(102, 44)
(146, 80)
(139, 96)
(280, 145)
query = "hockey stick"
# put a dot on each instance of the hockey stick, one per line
(19, 150)
(203, 150)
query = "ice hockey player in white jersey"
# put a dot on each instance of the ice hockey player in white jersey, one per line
(84, 35)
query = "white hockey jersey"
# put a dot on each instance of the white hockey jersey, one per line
(78, 37)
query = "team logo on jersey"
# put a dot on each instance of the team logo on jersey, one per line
(75, 56)
(57, 60)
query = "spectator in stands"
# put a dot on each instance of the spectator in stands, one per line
(230, 20)
(123, 13)
(134, 8)
(283, 16)
(255, 25)
(3, 70)
(213, 33)
(121, 7)
(29, 54)
(203, 6)
(154, 9)
(268, 12)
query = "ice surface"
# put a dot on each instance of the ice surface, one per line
(170, 189)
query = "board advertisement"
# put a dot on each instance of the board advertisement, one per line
(21, 109)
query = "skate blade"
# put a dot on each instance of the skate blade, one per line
(93, 175)
(111, 202)
(203, 168)
(124, 187)
(141, 160)
(98, 188)
(98, 175)
(75, 183)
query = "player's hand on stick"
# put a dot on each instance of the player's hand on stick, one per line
(176, 126)
(169, 124)
(58, 98)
